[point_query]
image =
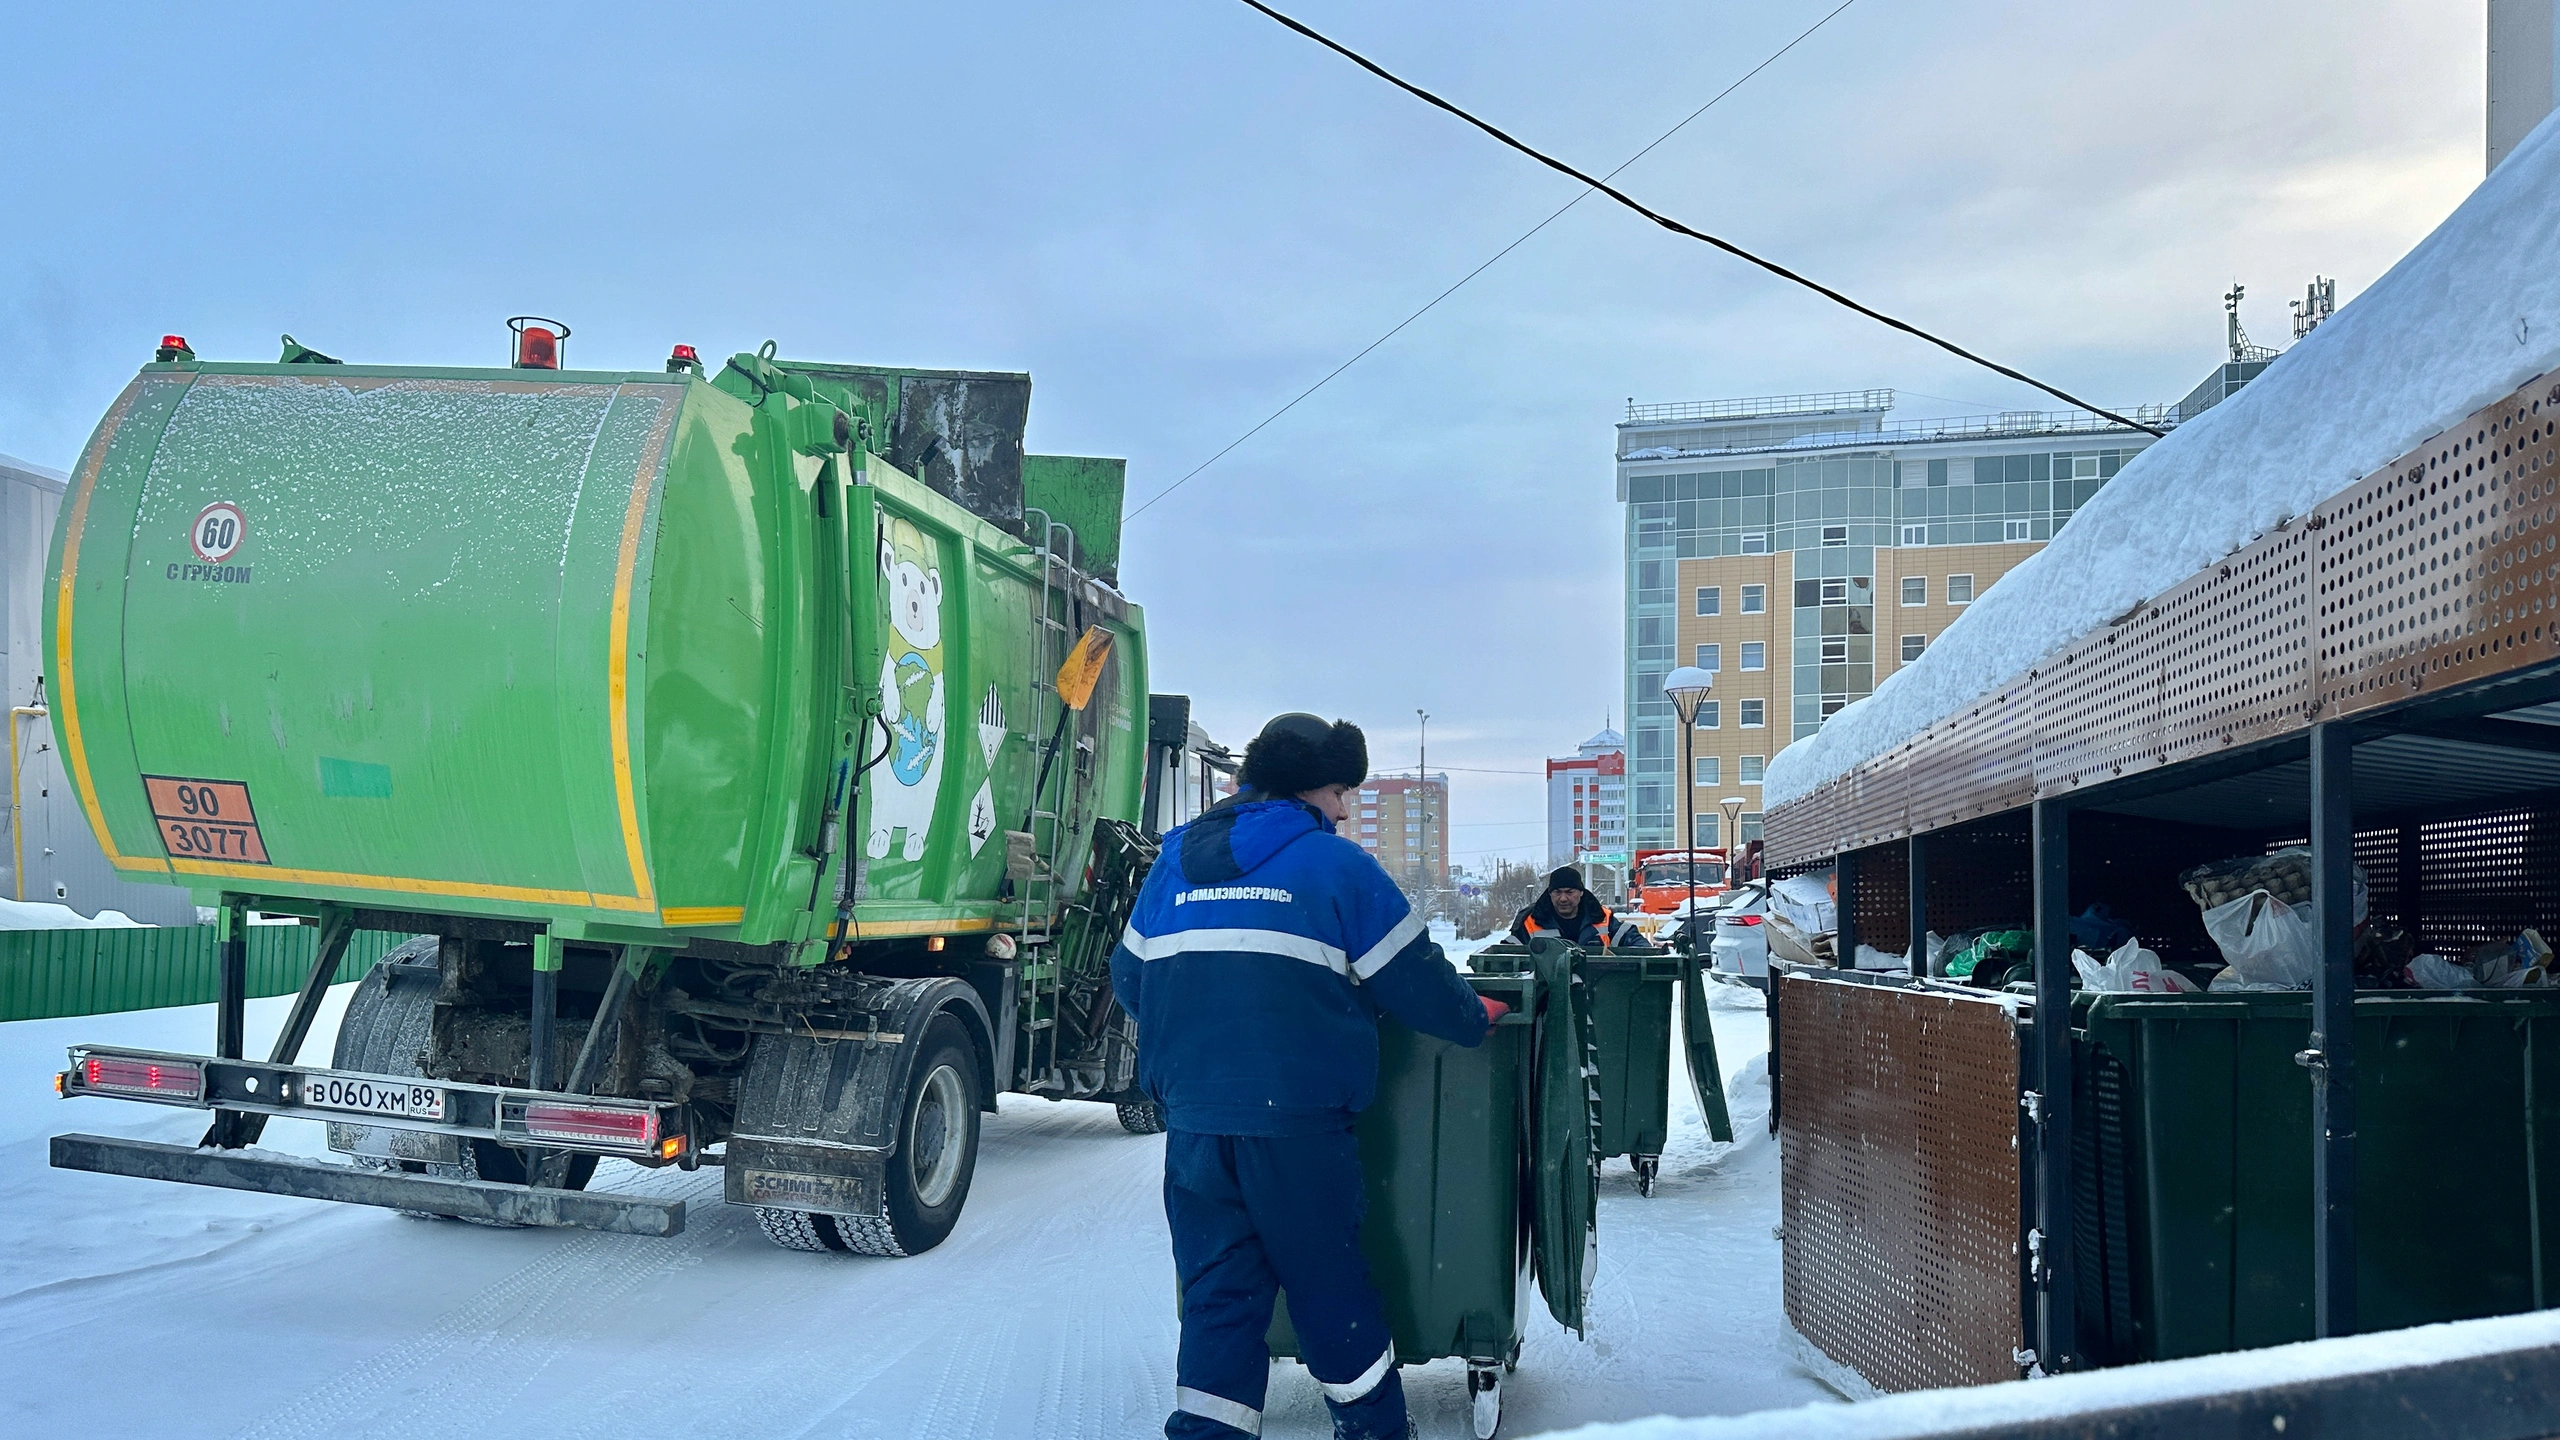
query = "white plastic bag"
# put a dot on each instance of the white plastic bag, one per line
(2271, 945)
(2434, 972)
(2131, 969)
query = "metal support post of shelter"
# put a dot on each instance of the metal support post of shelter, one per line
(1844, 903)
(2331, 1058)
(2056, 1319)
(1917, 932)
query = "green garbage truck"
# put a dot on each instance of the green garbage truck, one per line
(762, 758)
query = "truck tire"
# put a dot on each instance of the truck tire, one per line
(1141, 1116)
(928, 1179)
(385, 1032)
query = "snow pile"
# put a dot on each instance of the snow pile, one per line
(35, 915)
(1989, 1409)
(2463, 319)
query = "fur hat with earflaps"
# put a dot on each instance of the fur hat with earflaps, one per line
(1298, 752)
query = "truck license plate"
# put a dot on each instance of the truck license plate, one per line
(374, 1097)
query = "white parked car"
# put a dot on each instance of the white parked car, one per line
(1741, 945)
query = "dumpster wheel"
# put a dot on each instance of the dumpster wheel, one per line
(1484, 1395)
(1648, 1169)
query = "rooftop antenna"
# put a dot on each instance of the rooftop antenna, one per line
(2319, 301)
(2231, 306)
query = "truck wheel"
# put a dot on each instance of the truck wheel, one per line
(385, 1033)
(937, 1147)
(1141, 1117)
(928, 1178)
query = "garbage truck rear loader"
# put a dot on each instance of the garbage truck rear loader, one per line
(757, 757)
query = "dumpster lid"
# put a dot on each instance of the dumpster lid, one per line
(1564, 1150)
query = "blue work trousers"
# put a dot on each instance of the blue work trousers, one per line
(1252, 1216)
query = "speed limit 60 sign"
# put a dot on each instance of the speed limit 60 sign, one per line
(219, 529)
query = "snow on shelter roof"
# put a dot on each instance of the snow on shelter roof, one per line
(2465, 317)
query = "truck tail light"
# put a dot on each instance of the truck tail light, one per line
(126, 1075)
(635, 1130)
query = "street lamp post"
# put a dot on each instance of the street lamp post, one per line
(1687, 688)
(1732, 805)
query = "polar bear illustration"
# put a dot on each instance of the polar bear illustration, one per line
(910, 693)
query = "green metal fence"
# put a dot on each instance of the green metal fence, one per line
(49, 973)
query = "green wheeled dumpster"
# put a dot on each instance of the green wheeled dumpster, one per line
(1629, 995)
(2195, 1195)
(1481, 1170)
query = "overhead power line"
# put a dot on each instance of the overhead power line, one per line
(1525, 235)
(1677, 228)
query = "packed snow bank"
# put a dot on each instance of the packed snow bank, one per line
(1992, 1408)
(2464, 318)
(34, 915)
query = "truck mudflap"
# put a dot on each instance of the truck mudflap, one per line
(644, 1130)
(819, 1112)
(273, 1174)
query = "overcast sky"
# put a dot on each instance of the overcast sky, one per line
(1176, 216)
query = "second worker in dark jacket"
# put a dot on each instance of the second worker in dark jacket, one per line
(1567, 911)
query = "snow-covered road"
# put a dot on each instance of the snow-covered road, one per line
(134, 1308)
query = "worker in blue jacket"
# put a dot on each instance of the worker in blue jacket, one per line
(1261, 952)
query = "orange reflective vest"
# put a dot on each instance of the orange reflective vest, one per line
(1607, 924)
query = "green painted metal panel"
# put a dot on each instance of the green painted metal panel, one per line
(575, 647)
(1086, 494)
(2455, 1163)
(46, 974)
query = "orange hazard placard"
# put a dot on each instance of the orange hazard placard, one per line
(206, 819)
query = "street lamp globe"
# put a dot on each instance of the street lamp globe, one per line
(1687, 688)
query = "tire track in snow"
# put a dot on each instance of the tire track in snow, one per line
(506, 1319)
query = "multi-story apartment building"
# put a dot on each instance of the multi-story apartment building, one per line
(1804, 546)
(1404, 822)
(1587, 803)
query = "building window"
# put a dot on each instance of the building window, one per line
(1835, 649)
(1710, 599)
(1749, 829)
(1755, 656)
(1937, 472)
(2013, 530)
(1835, 534)
(1754, 714)
(1835, 592)
(1752, 766)
(1915, 589)
(1915, 534)
(1709, 831)
(1755, 543)
(1710, 770)
(1833, 705)
(1710, 714)
(1912, 645)
(1711, 656)
(1959, 589)
(1755, 599)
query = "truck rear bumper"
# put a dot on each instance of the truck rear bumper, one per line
(319, 1180)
